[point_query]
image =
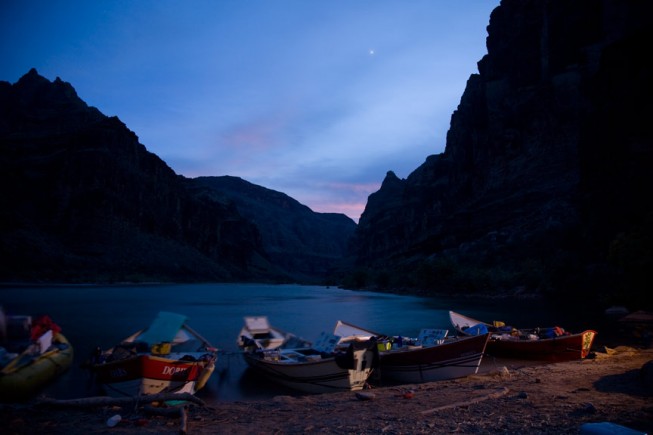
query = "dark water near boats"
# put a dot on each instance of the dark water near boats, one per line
(93, 316)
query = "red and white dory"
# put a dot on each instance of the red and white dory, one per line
(166, 357)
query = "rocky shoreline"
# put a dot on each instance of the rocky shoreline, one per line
(611, 386)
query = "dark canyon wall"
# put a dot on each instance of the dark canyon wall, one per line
(546, 181)
(81, 200)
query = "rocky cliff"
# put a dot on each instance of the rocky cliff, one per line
(303, 243)
(82, 200)
(545, 182)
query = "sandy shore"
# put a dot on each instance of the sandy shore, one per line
(514, 399)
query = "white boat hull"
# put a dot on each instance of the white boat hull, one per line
(315, 374)
(138, 387)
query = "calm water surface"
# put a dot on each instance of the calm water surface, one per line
(93, 316)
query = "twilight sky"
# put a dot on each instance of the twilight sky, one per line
(314, 98)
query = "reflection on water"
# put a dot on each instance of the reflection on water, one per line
(93, 316)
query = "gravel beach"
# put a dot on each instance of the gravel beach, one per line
(611, 386)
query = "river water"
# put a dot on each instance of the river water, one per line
(93, 316)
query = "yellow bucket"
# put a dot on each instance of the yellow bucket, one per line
(161, 348)
(384, 345)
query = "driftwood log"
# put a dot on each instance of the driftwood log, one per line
(495, 395)
(176, 411)
(89, 402)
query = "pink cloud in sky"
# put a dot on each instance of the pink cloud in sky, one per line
(258, 135)
(340, 197)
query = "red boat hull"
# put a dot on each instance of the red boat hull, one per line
(453, 359)
(147, 374)
(556, 349)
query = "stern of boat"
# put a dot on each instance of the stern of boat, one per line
(361, 360)
(586, 344)
(204, 375)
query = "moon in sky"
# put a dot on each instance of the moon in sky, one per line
(371, 52)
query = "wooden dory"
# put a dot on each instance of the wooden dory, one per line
(432, 357)
(534, 344)
(166, 357)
